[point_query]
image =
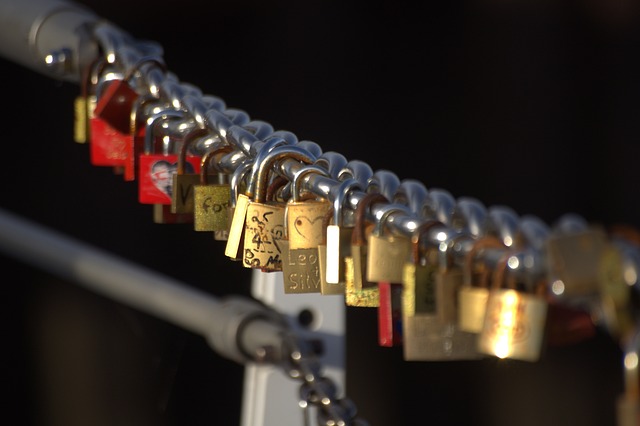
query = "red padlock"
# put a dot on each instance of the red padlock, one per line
(157, 167)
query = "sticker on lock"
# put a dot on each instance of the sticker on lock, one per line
(156, 176)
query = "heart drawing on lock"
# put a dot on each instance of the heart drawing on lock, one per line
(306, 227)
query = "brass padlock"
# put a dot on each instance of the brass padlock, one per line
(184, 179)
(84, 104)
(387, 253)
(211, 200)
(628, 404)
(336, 243)
(304, 217)
(615, 305)
(573, 258)
(388, 272)
(264, 222)
(515, 320)
(358, 290)
(473, 294)
(425, 337)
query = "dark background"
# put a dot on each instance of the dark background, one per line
(533, 105)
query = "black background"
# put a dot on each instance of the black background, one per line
(533, 105)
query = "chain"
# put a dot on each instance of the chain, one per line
(301, 363)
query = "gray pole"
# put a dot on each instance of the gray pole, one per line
(32, 31)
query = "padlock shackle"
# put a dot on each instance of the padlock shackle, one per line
(342, 190)
(416, 238)
(358, 237)
(500, 276)
(189, 138)
(262, 166)
(296, 183)
(488, 241)
(149, 147)
(237, 177)
(206, 159)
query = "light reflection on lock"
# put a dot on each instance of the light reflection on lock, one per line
(264, 221)
(515, 320)
(304, 217)
(211, 200)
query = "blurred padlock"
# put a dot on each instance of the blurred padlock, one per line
(473, 294)
(515, 320)
(358, 290)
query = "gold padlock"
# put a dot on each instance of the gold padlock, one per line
(183, 180)
(514, 323)
(336, 243)
(211, 201)
(387, 253)
(264, 222)
(473, 294)
(358, 290)
(304, 216)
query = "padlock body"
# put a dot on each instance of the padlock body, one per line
(305, 223)
(155, 176)
(211, 207)
(447, 286)
(358, 291)
(418, 292)
(182, 196)
(386, 258)
(162, 214)
(108, 147)
(514, 325)
(264, 229)
(426, 339)
(390, 314)
(115, 104)
(300, 270)
(472, 303)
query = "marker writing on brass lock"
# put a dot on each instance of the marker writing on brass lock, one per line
(310, 279)
(265, 239)
(303, 223)
(208, 205)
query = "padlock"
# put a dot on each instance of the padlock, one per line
(387, 252)
(386, 256)
(264, 222)
(424, 336)
(515, 320)
(211, 200)
(184, 179)
(144, 107)
(116, 102)
(84, 103)
(358, 290)
(336, 243)
(156, 169)
(474, 292)
(628, 404)
(303, 234)
(614, 307)
(573, 259)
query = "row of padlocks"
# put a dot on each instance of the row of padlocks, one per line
(450, 279)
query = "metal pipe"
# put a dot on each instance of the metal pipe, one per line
(236, 327)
